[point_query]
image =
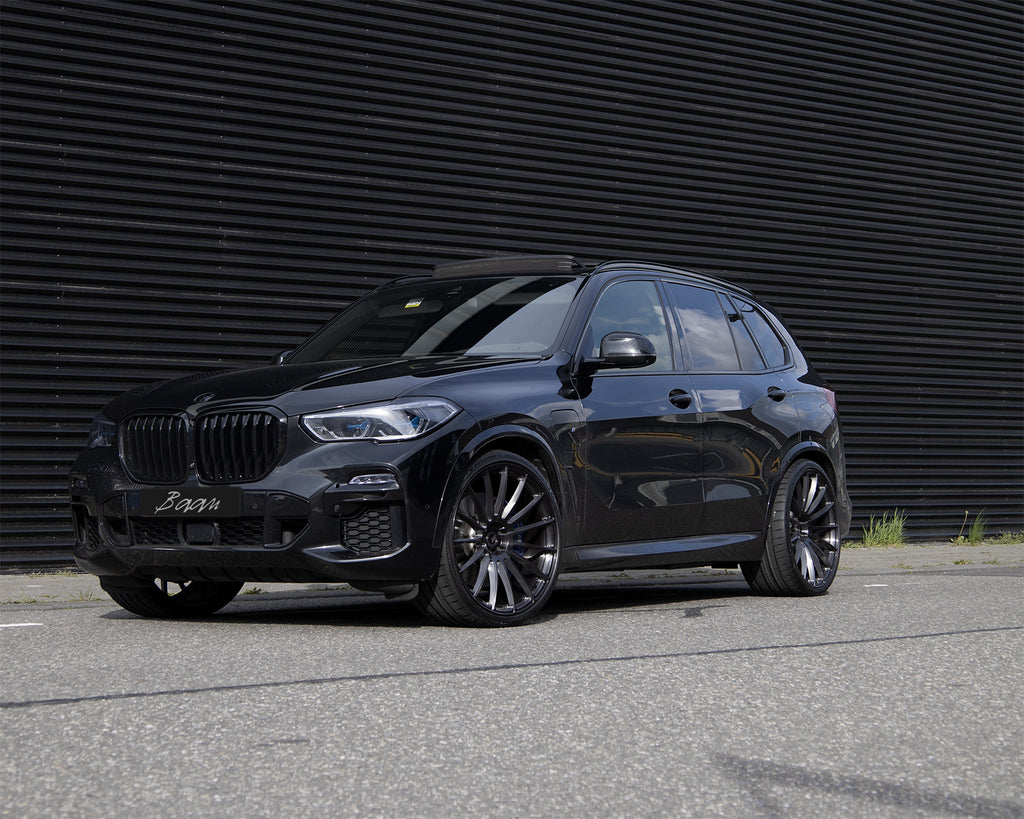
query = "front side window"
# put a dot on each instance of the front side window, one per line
(633, 307)
(514, 316)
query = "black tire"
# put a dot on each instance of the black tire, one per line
(168, 599)
(801, 552)
(500, 546)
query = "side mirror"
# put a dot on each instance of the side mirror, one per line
(622, 351)
(281, 357)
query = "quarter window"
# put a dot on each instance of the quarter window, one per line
(750, 358)
(774, 351)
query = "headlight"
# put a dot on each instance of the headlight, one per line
(103, 432)
(398, 421)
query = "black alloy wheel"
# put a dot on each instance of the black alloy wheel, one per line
(802, 544)
(501, 546)
(169, 599)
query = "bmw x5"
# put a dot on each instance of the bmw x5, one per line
(466, 436)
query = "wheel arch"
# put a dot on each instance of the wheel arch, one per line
(810, 451)
(807, 450)
(521, 441)
(527, 443)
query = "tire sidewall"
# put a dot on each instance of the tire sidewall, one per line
(779, 549)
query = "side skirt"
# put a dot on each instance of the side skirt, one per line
(704, 550)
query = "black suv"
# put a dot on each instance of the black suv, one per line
(467, 436)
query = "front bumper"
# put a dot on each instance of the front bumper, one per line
(304, 522)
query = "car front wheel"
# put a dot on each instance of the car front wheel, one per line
(167, 599)
(500, 546)
(801, 553)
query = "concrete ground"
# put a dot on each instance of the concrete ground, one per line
(61, 589)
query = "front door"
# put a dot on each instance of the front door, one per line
(642, 451)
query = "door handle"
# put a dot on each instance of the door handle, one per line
(680, 398)
(776, 394)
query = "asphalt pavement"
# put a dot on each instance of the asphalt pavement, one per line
(676, 694)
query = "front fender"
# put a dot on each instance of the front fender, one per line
(534, 442)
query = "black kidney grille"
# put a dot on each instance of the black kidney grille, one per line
(155, 448)
(238, 446)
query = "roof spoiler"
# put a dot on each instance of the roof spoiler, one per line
(508, 265)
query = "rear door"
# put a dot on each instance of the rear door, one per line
(748, 414)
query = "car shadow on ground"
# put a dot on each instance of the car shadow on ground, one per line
(348, 607)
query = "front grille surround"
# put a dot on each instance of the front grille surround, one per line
(239, 446)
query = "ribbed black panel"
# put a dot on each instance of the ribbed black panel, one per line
(192, 185)
(154, 448)
(238, 446)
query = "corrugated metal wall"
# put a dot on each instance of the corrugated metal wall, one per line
(190, 185)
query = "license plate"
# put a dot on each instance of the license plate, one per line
(191, 503)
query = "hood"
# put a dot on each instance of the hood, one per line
(295, 388)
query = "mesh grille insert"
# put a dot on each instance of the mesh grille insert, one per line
(370, 532)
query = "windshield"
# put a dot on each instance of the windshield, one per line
(514, 316)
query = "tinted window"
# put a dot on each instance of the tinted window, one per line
(495, 316)
(707, 340)
(771, 345)
(633, 307)
(750, 358)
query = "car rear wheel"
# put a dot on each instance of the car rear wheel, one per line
(168, 599)
(802, 544)
(500, 546)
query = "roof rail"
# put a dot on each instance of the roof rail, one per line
(509, 265)
(657, 267)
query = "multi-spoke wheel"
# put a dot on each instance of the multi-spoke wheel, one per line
(801, 553)
(168, 599)
(500, 546)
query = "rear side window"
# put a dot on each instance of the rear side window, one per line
(772, 348)
(707, 340)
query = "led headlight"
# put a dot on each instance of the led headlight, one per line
(397, 421)
(103, 432)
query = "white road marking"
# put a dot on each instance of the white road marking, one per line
(876, 585)
(18, 625)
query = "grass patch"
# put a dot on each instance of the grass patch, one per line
(884, 531)
(1009, 538)
(975, 531)
(253, 590)
(962, 562)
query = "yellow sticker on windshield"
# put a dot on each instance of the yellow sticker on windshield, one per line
(413, 303)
